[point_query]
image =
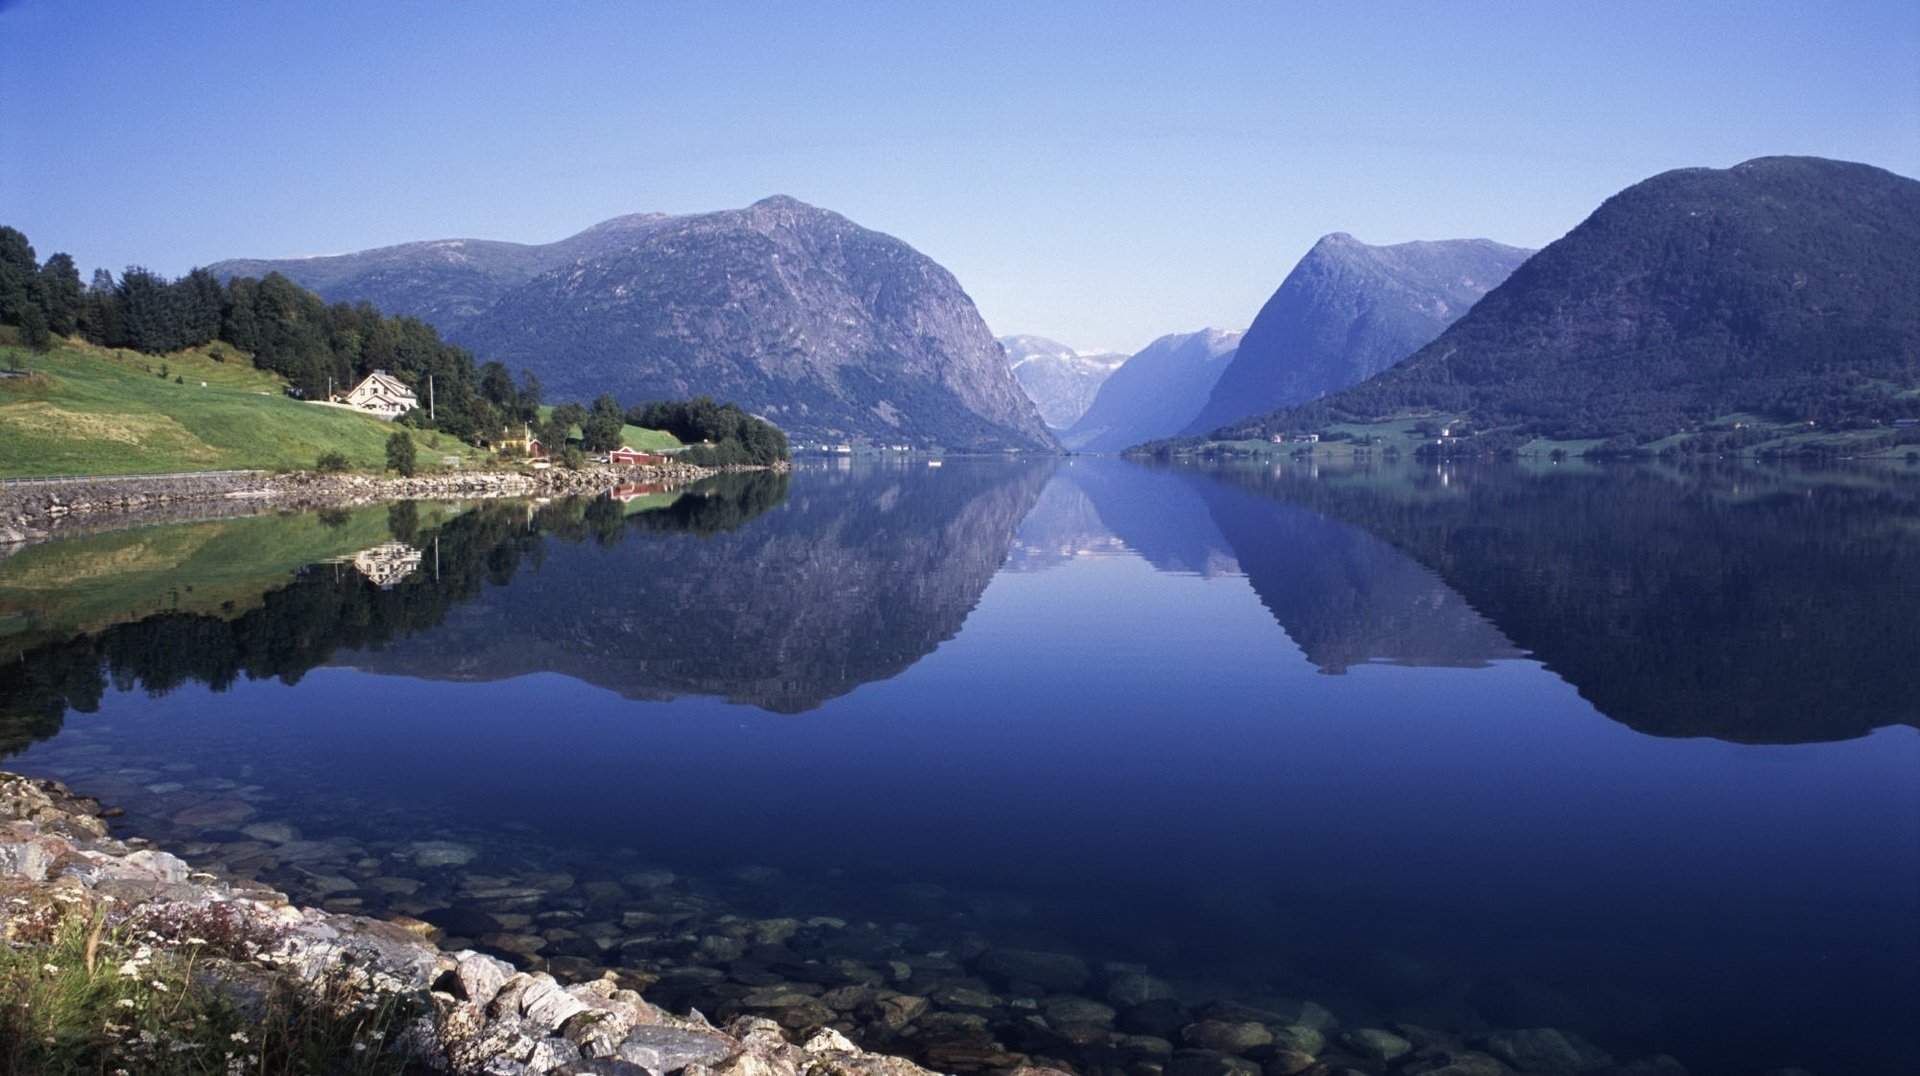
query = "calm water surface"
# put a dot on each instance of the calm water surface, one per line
(1629, 752)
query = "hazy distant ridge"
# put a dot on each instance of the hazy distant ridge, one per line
(1154, 393)
(1061, 381)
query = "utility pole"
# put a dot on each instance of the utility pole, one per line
(430, 413)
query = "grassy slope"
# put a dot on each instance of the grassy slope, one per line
(93, 410)
(219, 567)
(636, 437)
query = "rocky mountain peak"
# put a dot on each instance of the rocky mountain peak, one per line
(1347, 311)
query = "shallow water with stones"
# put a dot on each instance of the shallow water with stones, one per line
(1132, 769)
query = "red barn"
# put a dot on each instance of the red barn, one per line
(623, 454)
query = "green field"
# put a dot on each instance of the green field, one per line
(88, 410)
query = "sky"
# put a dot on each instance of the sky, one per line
(1098, 173)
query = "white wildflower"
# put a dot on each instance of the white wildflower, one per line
(158, 985)
(125, 1003)
(238, 1036)
(50, 969)
(130, 970)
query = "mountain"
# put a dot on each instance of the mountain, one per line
(1348, 311)
(1787, 287)
(445, 282)
(830, 330)
(1060, 381)
(1154, 393)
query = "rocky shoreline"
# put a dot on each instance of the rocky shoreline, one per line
(34, 511)
(478, 1014)
(974, 1009)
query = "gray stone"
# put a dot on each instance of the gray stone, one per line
(666, 1050)
(1227, 1037)
(546, 1005)
(598, 1031)
(480, 976)
(552, 1053)
(28, 859)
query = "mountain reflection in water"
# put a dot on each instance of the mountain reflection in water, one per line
(1266, 732)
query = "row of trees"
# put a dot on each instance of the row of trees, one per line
(320, 349)
(325, 349)
(723, 435)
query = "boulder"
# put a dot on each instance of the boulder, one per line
(666, 1050)
(480, 976)
(1227, 1037)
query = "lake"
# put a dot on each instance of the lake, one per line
(1082, 750)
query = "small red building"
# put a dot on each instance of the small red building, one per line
(623, 454)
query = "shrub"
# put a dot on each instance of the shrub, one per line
(331, 462)
(401, 456)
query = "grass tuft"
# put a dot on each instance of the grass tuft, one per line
(170, 990)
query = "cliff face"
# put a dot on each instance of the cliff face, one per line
(1348, 311)
(832, 331)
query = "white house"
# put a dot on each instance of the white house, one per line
(383, 395)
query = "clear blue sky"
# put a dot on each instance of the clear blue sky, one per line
(1101, 173)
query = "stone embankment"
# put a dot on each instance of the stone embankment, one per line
(30, 511)
(478, 1014)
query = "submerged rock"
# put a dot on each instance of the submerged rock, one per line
(1131, 988)
(271, 832)
(431, 854)
(1376, 1043)
(1051, 972)
(1227, 1037)
(216, 814)
(1547, 1051)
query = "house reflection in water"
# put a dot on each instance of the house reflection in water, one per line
(385, 564)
